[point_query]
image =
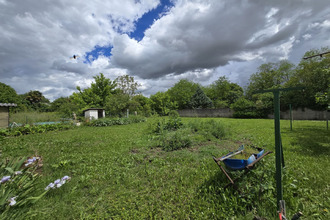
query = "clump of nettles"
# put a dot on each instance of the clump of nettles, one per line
(171, 134)
(18, 186)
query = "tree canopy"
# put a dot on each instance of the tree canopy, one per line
(8, 94)
(182, 92)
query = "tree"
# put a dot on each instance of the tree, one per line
(200, 100)
(140, 104)
(36, 101)
(312, 74)
(117, 104)
(244, 108)
(96, 95)
(8, 94)
(162, 104)
(223, 93)
(102, 88)
(270, 75)
(127, 84)
(182, 92)
(64, 106)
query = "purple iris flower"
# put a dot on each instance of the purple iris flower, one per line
(5, 179)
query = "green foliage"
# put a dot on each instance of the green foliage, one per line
(64, 106)
(34, 100)
(95, 96)
(34, 129)
(175, 140)
(182, 92)
(127, 85)
(20, 192)
(117, 104)
(174, 135)
(209, 127)
(33, 117)
(116, 175)
(223, 93)
(104, 122)
(314, 75)
(244, 109)
(200, 100)
(174, 123)
(102, 88)
(141, 105)
(270, 75)
(8, 94)
(162, 104)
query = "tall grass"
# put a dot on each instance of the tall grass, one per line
(33, 117)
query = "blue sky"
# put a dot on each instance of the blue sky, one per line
(156, 42)
(142, 24)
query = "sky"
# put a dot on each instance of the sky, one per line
(158, 42)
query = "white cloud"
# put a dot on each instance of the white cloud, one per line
(196, 39)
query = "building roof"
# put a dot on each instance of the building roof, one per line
(8, 104)
(93, 109)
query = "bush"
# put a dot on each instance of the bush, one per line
(210, 127)
(33, 129)
(175, 140)
(244, 109)
(104, 122)
(173, 124)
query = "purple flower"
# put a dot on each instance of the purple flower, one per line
(51, 185)
(18, 172)
(5, 179)
(58, 183)
(12, 201)
(31, 160)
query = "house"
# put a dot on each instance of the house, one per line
(4, 114)
(94, 113)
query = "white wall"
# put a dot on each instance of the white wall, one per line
(91, 114)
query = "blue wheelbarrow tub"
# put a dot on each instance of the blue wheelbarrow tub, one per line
(240, 164)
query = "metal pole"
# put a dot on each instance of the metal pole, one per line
(290, 117)
(278, 148)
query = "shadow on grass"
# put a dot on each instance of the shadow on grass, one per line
(310, 140)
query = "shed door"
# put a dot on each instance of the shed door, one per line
(100, 114)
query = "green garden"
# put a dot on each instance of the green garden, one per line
(162, 168)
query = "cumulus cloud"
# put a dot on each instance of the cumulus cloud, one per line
(38, 38)
(195, 39)
(207, 34)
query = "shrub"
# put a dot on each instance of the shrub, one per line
(173, 124)
(33, 129)
(104, 122)
(244, 109)
(210, 127)
(175, 140)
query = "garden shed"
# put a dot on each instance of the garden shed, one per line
(4, 114)
(94, 113)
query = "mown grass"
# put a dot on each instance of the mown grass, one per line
(117, 175)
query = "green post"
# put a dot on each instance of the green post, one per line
(290, 117)
(278, 148)
(278, 142)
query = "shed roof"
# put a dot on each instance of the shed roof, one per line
(93, 109)
(8, 104)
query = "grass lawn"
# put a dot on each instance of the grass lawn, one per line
(117, 175)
